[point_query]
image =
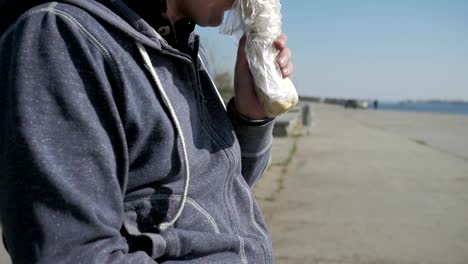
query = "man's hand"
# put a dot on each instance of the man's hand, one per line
(247, 102)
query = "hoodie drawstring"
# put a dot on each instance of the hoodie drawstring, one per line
(149, 65)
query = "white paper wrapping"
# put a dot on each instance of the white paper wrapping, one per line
(260, 21)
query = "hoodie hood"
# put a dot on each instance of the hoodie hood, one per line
(127, 20)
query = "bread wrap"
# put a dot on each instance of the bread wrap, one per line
(260, 22)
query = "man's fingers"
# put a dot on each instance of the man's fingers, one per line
(284, 57)
(287, 71)
(280, 42)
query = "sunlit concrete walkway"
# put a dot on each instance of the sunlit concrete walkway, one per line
(372, 187)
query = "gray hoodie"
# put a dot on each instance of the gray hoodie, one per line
(116, 148)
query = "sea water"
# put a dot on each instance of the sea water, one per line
(435, 107)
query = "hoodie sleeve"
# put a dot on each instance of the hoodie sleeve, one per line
(255, 139)
(63, 158)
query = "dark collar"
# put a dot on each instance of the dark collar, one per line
(154, 13)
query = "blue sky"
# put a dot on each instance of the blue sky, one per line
(390, 50)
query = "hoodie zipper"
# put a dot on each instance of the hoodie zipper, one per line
(233, 161)
(196, 47)
(214, 135)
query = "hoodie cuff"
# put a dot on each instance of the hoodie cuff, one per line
(255, 136)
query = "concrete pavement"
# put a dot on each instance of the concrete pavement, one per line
(363, 189)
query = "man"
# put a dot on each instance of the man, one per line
(114, 144)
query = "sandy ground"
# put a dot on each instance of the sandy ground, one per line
(369, 187)
(373, 187)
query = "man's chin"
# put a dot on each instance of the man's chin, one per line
(216, 21)
(212, 22)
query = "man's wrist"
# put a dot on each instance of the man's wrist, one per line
(242, 119)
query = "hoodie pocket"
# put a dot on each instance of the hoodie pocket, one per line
(144, 214)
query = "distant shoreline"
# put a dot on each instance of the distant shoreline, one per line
(441, 107)
(433, 101)
(447, 106)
